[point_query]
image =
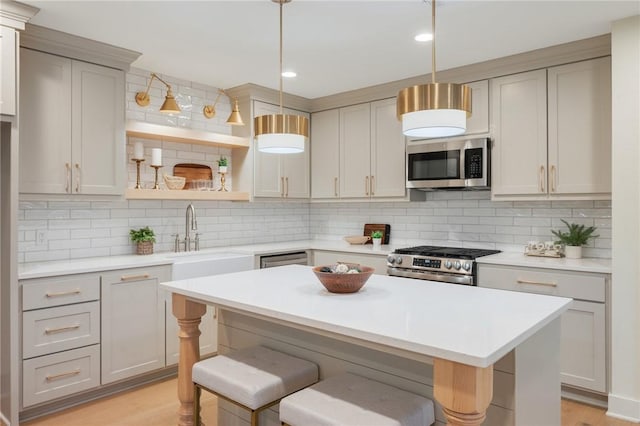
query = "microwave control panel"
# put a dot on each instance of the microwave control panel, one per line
(473, 163)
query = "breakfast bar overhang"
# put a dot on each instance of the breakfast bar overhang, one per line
(461, 330)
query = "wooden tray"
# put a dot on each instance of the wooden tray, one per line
(192, 172)
(385, 228)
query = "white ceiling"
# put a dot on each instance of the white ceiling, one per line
(334, 46)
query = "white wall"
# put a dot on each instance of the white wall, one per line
(624, 398)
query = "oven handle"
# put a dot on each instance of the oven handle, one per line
(454, 279)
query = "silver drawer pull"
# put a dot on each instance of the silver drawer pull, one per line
(64, 293)
(538, 283)
(134, 277)
(61, 329)
(62, 375)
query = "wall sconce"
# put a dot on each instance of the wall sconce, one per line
(234, 119)
(169, 106)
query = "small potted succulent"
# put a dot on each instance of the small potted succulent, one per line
(222, 164)
(574, 239)
(144, 239)
(376, 237)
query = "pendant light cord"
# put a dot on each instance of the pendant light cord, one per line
(433, 43)
(281, 109)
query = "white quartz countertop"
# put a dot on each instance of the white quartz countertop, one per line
(596, 265)
(470, 325)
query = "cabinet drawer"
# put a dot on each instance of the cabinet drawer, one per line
(57, 329)
(54, 376)
(49, 292)
(577, 285)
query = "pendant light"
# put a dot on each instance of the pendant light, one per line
(281, 133)
(437, 109)
(169, 106)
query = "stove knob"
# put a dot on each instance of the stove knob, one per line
(457, 265)
(399, 260)
(447, 264)
(391, 259)
(466, 266)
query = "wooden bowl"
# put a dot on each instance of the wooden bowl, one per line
(174, 182)
(357, 239)
(343, 283)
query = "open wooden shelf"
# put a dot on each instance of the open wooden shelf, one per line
(178, 134)
(166, 194)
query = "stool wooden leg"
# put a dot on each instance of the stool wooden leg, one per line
(463, 391)
(196, 405)
(254, 417)
(188, 314)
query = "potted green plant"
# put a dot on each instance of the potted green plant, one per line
(222, 164)
(144, 239)
(376, 237)
(575, 238)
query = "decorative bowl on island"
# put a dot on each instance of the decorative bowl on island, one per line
(343, 277)
(357, 239)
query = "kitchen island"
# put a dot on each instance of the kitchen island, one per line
(462, 331)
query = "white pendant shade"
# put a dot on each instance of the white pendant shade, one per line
(281, 143)
(434, 123)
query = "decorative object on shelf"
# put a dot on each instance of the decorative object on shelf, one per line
(343, 277)
(546, 249)
(376, 237)
(281, 133)
(144, 239)
(156, 185)
(138, 161)
(138, 157)
(234, 119)
(222, 164)
(357, 239)
(575, 238)
(169, 106)
(436, 109)
(156, 157)
(175, 182)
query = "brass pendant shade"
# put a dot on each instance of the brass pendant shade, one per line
(234, 118)
(436, 109)
(281, 133)
(169, 106)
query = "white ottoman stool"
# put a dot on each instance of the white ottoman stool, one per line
(254, 378)
(350, 400)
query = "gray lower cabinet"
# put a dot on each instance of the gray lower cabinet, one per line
(133, 322)
(583, 352)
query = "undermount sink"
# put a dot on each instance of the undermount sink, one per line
(197, 264)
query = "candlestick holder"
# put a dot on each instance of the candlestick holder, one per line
(138, 161)
(156, 186)
(222, 182)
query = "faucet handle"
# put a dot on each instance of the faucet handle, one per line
(197, 242)
(176, 242)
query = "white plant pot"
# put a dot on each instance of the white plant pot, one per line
(222, 169)
(573, 252)
(377, 242)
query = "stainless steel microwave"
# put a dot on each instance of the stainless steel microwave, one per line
(452, 164)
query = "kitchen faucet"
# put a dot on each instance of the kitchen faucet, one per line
(190, 214)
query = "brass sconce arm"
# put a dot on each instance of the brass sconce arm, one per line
(234, 119)
(169, 105)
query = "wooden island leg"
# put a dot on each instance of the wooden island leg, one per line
(188, 314)
(464, 391)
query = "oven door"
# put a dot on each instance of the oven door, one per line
(431, 276)
(450, 164)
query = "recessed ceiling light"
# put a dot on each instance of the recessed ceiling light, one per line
(423, 37)
(289, 74)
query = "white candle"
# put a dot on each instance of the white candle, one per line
(138, 151)
(156, 157)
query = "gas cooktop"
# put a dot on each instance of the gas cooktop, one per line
(446, 252)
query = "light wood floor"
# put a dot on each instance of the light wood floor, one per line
(157, 405)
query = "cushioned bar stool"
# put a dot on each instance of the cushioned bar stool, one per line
(350, 400)
(253, 378)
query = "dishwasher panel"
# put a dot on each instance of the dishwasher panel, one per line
(271, 261)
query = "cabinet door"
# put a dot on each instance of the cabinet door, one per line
(133, 322)
(519, 119)
(45, 123)
(355, 151)
(388, 176)
(268, 180)
(8, 71)
(98, 148)
(583, 346)
(295, 168)
(580, 127)
(478, 122)
(325, 154)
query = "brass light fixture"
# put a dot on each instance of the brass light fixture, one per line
(281, 133)
(169, 106)
(234, 119)
(437, 109)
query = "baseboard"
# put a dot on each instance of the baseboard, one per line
(584, 396)
(624, 408)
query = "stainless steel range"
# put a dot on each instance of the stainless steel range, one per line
(447, 264)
